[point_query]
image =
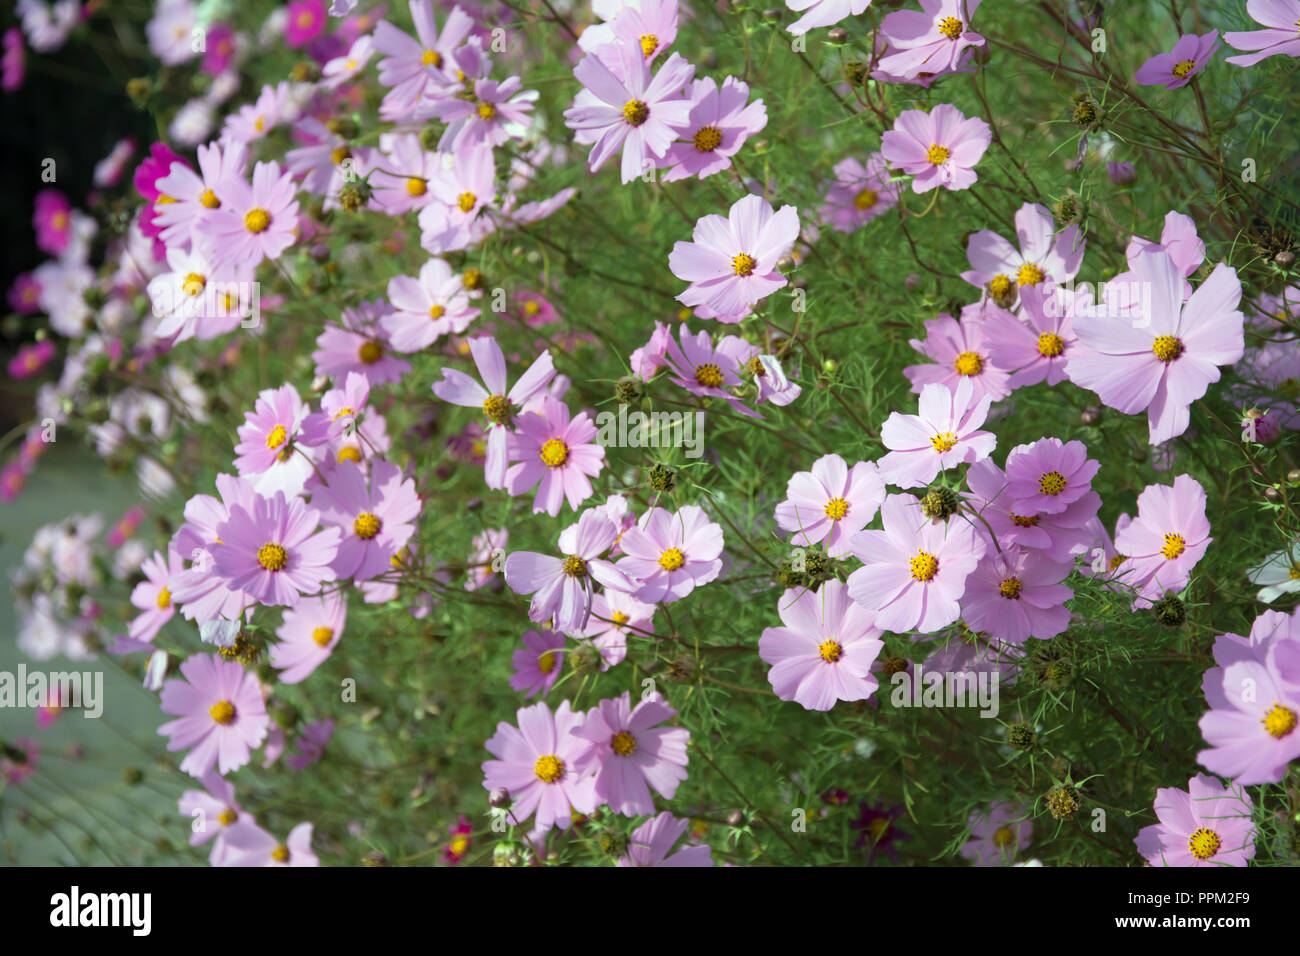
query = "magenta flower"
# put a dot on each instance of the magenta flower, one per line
(823, 13)
(537, 665)
(1036, 346)
(152, 595)
(220, 714)
(915, 569)
(959, 350)
(536, 764)
(556, 455)
(1048, 476)
(943, 434)
(25, 294)
(671, 553)
(731, 264)
(1176, 68)
(254, 222)
(306, 21)
(1162, 359)
(859, 193)
(375, 522)
(720, 121)
(427, 308)
(997, 835)
(934, 39)
(277, 426)
(1015, 595)
(561, 587)
(939, 148)
(630, 755)
(1205, 825)
(490, 113)
(359, 344)
(273, 551)
(247, 844)
(195, 195)
(308, 635)
(13, 62)
(1167, 538)
(703, 369)
(220, 50)
(30, 359)
(52, 221)
(825, 649)
(1279, 36)
(1043, 256)
(414, 66)
(629, 109)
(831, 503)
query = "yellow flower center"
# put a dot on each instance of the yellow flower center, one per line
(936, 154)
(228, 816)
(1050, 345)
(1183, 67)
(1203, 843)
(471, 279)
(707, 139)
(624, 744)
(466, 201)
(1029, 274)
(163, 199)
(554, 453)
(276, 437)
(259, 124)
(950, 27)
(1010, 588)
(1023, 521)
(497, 409)
(635, 112)
(366, 526)
(546, 662)
(549, 768)
(1000, 287)
(370, 352)
(619, 618)
(1052, 483)
(1004, 837)
(416, 187)
(350, 453)
(1279, 721)
(575, 567)
(486, 111)
(865, 199)
(672, 559)
(209, 199)
(1167, 348)
(924, 566)
(257, 220)
(280, 854)
(223, 712)
(164, 599)
(322, 635)
(649, 43)
(944, 441)
(743, 264)
(968, 363)
(709, 375)
(830, 651)
(194, 284)
(273, 557)
(431, 58)
(1116, 561)
(437, 311)
(1174, 546)
(836, 508)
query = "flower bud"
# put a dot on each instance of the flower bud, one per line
(1169, 611)
(1063, 801)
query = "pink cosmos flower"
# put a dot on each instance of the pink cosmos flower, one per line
(915, 569)
(359, 344)
(52, 221)
(202, 596)
(1036, 346)
(24, 295)
(312, 741)
(1043, 256)
(934, 39)
(703, 369)
(939, 148)
(824, 652)
(220, 52)
(220, 714)
(1167, 538)
(651, 843)
(1048, 476)
(414, 66)
(306, 21)
(1165, 357)
(375, 522)
(629, 109)
(1205, 825)
(499, 404)
(273, 551)
(537, 665)
(1255, 707)
(555, 454)
(1176, 68)
(614, 616)
(257, 222)
(30, 359)
(491, 113)
(536, 765)
(212, 810)
(720, 121)
(944, 434)
(483, 563)
(152, 596)
(823, 13)
(859, 193)
(277, 426)
(194, 195)
(959, 350)
(671, 554)
(308, 635)
(427, 308)
(831, 503)
(648, 24)
(731, 264)
(247, 844)
(1279, 36)
(460, 194)
(343, 68)
(1015, 595)
(561, 587)
(402, 175)
(1178, 238)
(630, 755)
(998, 834)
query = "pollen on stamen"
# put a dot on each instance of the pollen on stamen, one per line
(322, 635)
(1010, 588)
(830, 651)
(635, 112)
(466, 201)
(968, 363)
(924, 566)
(707, 139)
(1174, 546)
(1183, 67)
(273, 557)
(497, 409)
(950, 27)
(1279, 721)
(1203, 843)
(164, 599)
(937, 155)
(1167, 348)
(743, 264)
(416, 187)
(437, 311)
(486, 111)
(672, 559)
(1052, 483)
(944, 441)
(370, 353)
(222, 712)
(709, 375)
(546, 662)
(836, 508)
(276, 437)
(575, 567)
(1050, 345)
(649, 43)
(257, 220)
(554, 453)
(623, 744)
(1029, 274)
(549, 768)
(865, 199)
(367, 526)
(208, 199)
(431, 58)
